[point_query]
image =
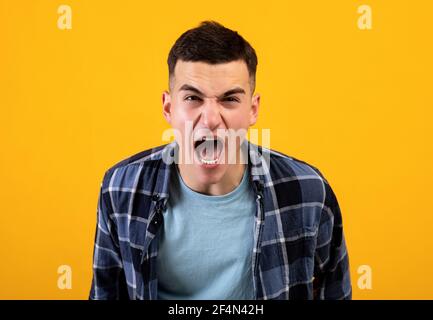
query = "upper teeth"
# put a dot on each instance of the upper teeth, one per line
(205, 139)
(209, 161)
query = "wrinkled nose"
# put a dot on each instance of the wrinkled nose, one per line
(210, 115)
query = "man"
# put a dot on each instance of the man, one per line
(212, 215)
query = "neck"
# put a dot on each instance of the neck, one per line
(229, 181)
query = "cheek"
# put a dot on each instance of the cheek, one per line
(182, 120)
(183, 112)
(178, 118)
(239, 119)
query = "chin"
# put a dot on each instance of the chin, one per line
(210, 176)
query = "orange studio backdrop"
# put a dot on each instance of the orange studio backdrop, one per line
(80, 89)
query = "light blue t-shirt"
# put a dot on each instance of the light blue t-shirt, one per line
(205, 249)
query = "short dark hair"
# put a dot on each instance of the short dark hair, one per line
(213, 43)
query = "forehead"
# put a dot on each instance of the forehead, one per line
(211, 78)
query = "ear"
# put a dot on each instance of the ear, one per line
(166, 106)
(254, 112)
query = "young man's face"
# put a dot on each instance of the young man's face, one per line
(205, 101)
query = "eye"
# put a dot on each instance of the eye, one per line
(192, 98)
(231, 99)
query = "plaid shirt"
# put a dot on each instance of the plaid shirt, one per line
(299, 247)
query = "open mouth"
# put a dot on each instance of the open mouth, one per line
(208, 149)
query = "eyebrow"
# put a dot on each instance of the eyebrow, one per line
(187, 87)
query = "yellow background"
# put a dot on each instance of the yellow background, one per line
(355, 103)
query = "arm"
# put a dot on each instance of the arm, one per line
(332, 272)
(108, 280)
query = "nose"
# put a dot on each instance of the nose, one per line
(211, 116)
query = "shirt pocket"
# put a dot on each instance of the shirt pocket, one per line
(296, 253)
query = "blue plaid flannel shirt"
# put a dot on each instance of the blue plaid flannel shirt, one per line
(299, 246)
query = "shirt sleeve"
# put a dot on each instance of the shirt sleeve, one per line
(108, 282)
(332, 272)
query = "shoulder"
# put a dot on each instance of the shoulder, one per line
(310, 181)
(282, 166)
(124, 172)
(303, 180)
(297, 183)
